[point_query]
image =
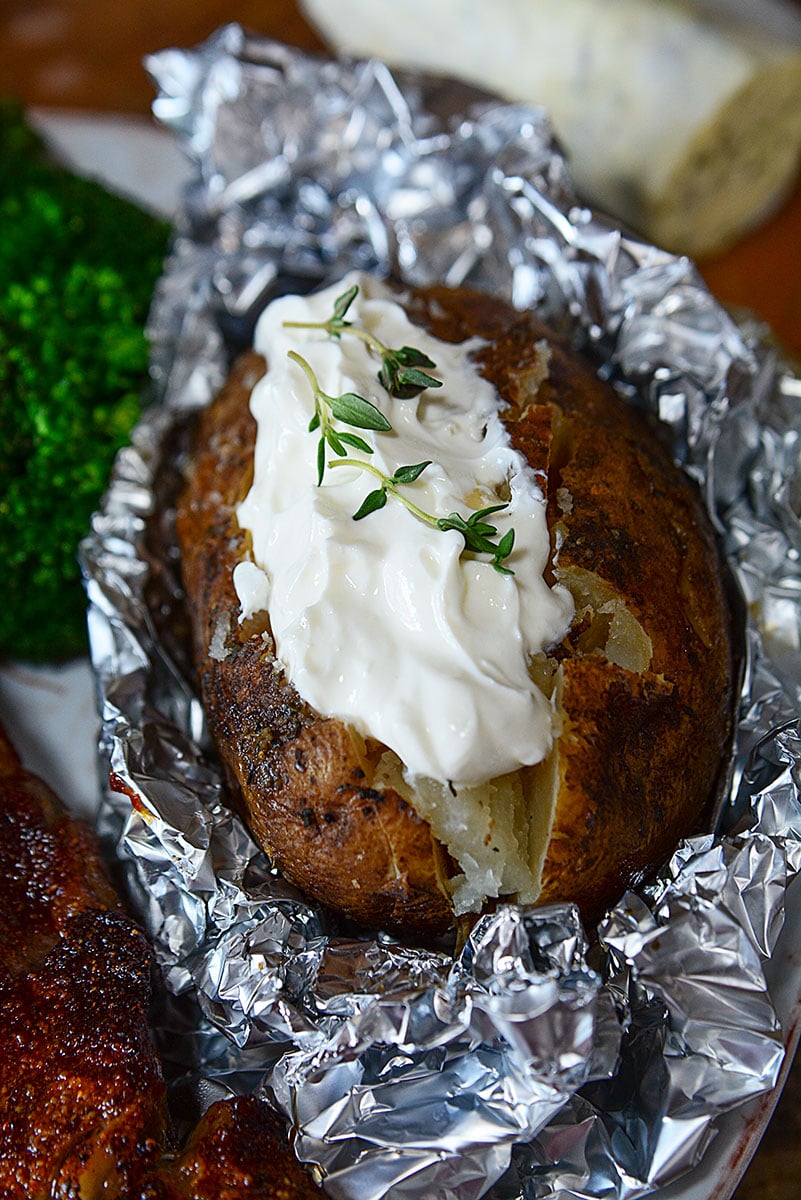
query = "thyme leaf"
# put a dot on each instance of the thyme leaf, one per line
(355, 410)
(320, 461)
(400, 375)
(351, 439)
(410, 474)
(371, 503)
(335, 443)
(343, 303)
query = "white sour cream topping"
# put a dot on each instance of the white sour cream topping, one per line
(384, 622)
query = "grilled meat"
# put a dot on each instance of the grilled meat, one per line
(82, 1095)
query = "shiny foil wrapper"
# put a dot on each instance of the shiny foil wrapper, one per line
(536, 1062)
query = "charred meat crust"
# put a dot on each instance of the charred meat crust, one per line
(640, 754)
(81, 1090)
(82, 1095)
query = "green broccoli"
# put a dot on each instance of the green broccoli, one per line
(77, 270)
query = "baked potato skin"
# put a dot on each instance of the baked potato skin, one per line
(301, 778)
(640, 752)
(639, 756)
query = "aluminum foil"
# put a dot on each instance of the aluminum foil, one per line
(527, 1065)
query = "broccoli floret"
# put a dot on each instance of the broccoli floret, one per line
(77, 270)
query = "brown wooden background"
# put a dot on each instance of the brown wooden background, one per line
(87, 54)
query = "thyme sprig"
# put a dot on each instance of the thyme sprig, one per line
(400, 371)
(349, 407)
(401, 376)
(477, 532)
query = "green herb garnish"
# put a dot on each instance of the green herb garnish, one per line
(476, 530)
(400, 374)
(350, 408)
(400, 371)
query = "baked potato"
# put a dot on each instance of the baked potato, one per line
(641, 682)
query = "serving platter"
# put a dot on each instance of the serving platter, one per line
(50, 711)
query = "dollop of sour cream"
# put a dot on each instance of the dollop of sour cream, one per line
(384, 622)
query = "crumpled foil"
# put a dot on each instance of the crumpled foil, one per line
(533, 1063)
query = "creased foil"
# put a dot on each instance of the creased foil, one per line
(526, 1065)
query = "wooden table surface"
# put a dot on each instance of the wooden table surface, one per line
(87, 54)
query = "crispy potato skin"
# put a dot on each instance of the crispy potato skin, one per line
(363, 852)
(639, 755)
